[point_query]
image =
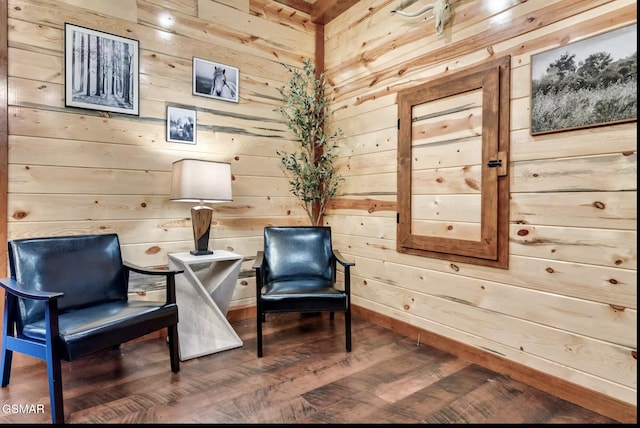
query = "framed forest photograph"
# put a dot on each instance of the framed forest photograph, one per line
(588, 83)
(101, 71)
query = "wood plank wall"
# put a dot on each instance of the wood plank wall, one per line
(75, 171)
(567, 305)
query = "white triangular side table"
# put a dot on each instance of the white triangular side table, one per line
(203, 295)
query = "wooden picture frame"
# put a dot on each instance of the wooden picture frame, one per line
(585, 84)
(215, 80)
(101, 71)
(181, 125)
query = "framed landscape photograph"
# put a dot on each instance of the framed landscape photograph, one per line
(214, 80)
(588, 83)
(181, 125)
(101, 71)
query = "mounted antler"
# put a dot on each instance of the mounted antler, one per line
(441, 13)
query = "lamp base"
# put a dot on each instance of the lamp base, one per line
(200, 252)
(201, 220)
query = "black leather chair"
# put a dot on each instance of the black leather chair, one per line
(67, 298)
(296, 272)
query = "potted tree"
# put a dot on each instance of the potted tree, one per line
(313, 178)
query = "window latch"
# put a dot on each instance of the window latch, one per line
(499, 162)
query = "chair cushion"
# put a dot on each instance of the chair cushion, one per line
(302, 295)
(86, 268)
(91, 329)
(296, 252)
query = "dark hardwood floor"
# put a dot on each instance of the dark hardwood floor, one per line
(305, 376)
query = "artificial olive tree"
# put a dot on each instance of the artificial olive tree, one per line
(313, 178)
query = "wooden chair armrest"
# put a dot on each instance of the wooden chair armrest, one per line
(14, 287)
(151, 271)
(257, 263)
(340, 259)
(169, 274)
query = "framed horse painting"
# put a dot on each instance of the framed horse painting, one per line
(215, 80)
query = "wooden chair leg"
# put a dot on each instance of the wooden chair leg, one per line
(259, 320)
(54, 374)
(5, 365)
(173, 348)
(52, 357)
(347, 328)
(10, 302)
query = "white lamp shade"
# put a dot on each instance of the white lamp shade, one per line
(194, 180)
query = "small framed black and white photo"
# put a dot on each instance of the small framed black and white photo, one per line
(215, 80)
(101, 71)
(181, 125)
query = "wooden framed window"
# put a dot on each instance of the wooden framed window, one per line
(453, 182)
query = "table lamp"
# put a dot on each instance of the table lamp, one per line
(194, 180)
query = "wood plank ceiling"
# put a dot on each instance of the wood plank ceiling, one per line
(321, 11)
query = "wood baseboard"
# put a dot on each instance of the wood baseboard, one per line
(241, 312)
(589, 399)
